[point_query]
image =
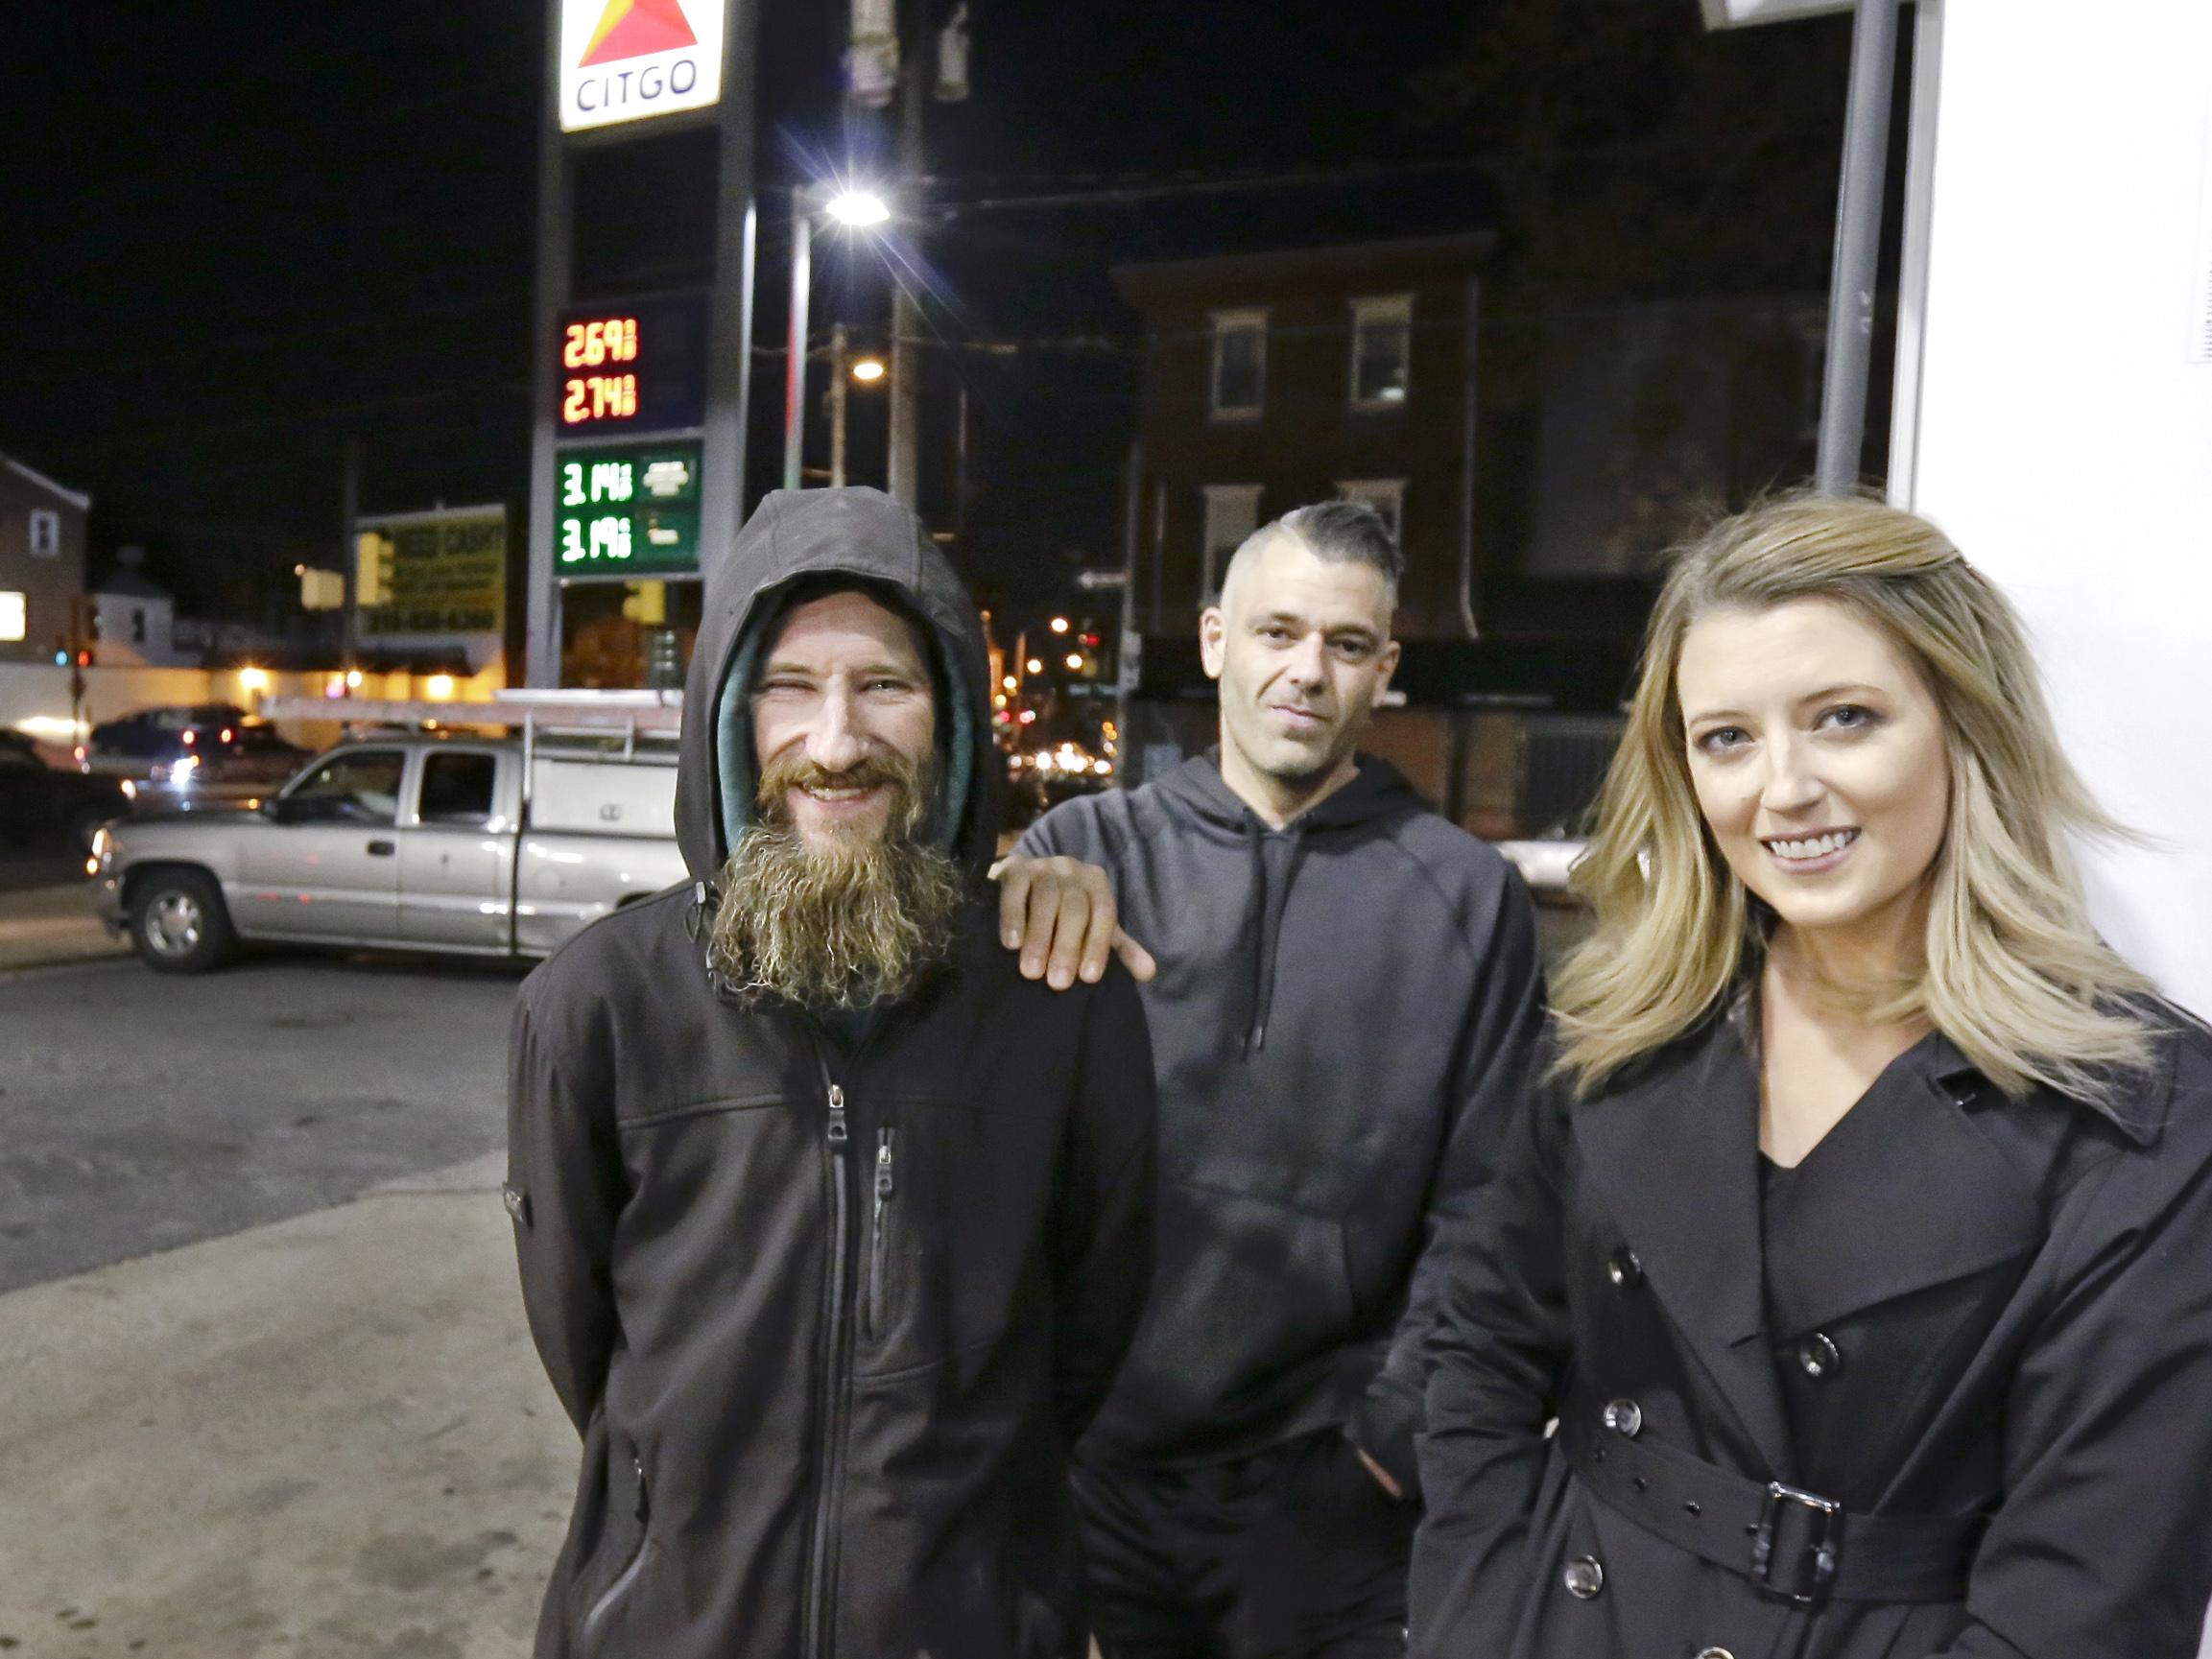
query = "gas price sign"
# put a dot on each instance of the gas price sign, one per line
(627, 509)
(634, 365)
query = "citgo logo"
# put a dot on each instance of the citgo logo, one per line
(628, 58)
(635, 28)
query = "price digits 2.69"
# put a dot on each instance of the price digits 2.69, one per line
(591, 344)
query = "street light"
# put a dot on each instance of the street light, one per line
(868, 370)
(858, 209)
(1059, 625)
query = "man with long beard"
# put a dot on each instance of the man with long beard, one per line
(833, 1227)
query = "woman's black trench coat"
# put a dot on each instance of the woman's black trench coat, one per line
(1986, 1334)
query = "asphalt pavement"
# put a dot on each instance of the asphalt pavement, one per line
(265, 1383)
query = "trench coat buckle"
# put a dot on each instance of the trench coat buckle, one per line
(1813, 1573)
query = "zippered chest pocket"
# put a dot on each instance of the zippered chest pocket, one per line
(955, 1211)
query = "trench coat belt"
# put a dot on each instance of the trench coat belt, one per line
(1793, 1545)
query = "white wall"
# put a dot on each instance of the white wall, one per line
(2053, 419)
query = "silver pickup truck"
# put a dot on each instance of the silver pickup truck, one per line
(482, 846)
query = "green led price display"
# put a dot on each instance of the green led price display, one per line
(627, 510)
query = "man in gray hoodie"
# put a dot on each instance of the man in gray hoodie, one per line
(833, 1228)
(1347, 996)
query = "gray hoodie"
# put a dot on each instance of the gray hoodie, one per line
(1342, 1025)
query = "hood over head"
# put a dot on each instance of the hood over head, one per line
(803, 536)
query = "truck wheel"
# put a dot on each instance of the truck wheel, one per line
(179, 925)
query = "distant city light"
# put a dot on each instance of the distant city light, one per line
(440, 685)
(1074, 660)
(1011, 683)
(1034, 665)
(254, 679)
(858, 208)
(1059, 625)
(867, 369)
(352, 680)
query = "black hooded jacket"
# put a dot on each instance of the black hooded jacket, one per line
(1341, 1023)
(827, 1320)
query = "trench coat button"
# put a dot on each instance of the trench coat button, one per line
(1624, 1268)
(1585, 1577)
(1819, 1358)
(1625, 1417)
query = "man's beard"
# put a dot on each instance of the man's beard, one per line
(842, 923)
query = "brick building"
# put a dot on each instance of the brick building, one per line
(1275, 379)
(41, 563)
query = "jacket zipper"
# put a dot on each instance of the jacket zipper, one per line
(829, 1465)
(628, 1577)
(879, 1234)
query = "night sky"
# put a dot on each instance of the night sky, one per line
(240, 233)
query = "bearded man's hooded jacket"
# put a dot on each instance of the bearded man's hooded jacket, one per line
(827, 1319)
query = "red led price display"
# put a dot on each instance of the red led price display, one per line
(636, 366)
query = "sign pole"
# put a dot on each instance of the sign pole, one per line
(729, 325)
(555, 190)
(795, 364)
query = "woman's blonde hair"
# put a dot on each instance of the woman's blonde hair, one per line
(2013, 972)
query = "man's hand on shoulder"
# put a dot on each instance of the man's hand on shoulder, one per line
(1059, 913)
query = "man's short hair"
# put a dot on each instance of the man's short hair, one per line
(1335, 533)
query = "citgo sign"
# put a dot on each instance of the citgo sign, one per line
(630, 60)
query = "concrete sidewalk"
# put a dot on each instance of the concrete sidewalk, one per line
(327, 1437)
(48, 924)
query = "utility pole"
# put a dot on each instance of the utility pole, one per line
(917, 68)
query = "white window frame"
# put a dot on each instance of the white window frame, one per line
(45, 532)
(1224, 504)
(1386, 495)
(14, 617)
(1252, 320)
(1380, 311)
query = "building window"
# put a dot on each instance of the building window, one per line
(14, 617)
(45, 532)
(1382, 350)
(1232, 513)
(1386, 495)
(1240, 371)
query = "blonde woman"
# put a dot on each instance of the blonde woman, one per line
(1857, 1236)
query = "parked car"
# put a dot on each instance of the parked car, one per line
(422, 843)
(135, 743)
(44, 803)
(214, 763)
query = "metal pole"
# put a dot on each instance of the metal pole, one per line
(1467, 413)
(730, 328)
(795, 364)
(1858, 247)
(904, 468)
(959, 477)
(838, 373)
(349, 555)
(1133, 508)
(549, 291)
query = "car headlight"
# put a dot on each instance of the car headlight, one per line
(181, 768)
(103, 849)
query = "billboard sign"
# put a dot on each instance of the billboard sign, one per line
(627, 511)
(627, 61)
(1734, 13)
(447, 574)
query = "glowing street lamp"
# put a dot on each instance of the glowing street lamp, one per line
(1059, 625)
(857, 209)
(868, 370)
(860, 208)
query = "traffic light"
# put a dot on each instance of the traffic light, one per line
(83, 657)
(373, 569)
